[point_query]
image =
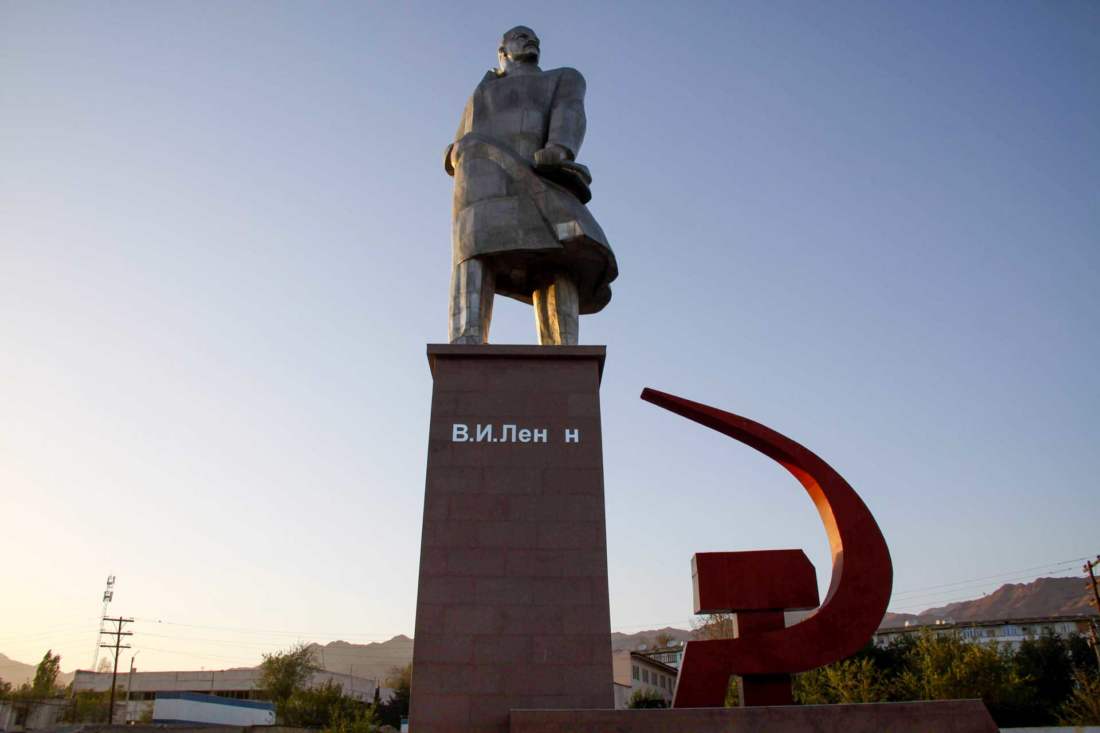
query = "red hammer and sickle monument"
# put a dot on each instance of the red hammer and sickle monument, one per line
(759, 586)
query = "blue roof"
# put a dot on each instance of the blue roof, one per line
(216, 700)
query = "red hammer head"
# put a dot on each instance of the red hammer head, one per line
(763, 580)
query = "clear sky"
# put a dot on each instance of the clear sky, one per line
(224, 244)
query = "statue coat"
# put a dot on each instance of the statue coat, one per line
(524, 225)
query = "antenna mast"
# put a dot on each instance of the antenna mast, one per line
(108, 595)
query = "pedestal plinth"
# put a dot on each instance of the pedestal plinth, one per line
(512, 609)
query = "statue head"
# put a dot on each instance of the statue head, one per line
(519, 45)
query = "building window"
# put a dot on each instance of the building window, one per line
(635, 672)
(645, 676)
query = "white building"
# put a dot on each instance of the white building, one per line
(633, 671)
(1011, 631)
(16, 716)
(237, 684)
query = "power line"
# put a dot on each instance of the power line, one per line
(19, 636)
(954, 594)
(992, 577)
(286, 632)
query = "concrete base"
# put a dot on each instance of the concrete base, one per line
(941, 716)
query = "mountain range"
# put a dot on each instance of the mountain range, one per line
(1042, 597)
(17, 672)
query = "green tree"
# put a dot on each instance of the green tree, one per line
(1082, 707)
(391, 711)
(646, 698)
(1080, 651)
(853, 680)
(944, 667)
(1032, 685)
(5, 690)
(1048, 663)
(325, 706)
(284, 673)
(713, 626)
(45, 675)
(87, 707)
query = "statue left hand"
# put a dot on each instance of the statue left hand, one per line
(552, 155)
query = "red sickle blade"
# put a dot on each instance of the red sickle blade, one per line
(862, 574)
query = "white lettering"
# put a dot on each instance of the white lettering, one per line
(510, 433)
(572, 435)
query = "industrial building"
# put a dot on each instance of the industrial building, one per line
(136, 692)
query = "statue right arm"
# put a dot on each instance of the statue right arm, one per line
(448, 165)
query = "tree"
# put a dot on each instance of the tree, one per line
(849, 681)
(869, 675)
(944, 667)
(5, 690)
(325, 706)
(646, 698)
(1083, 705)
(713, 626)
(284, 673)
(1047, 662)
(87, 707)
(45, 675)
(391, 711)
(662, 640)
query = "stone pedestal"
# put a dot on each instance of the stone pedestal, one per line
(939, 716)
(512, 610)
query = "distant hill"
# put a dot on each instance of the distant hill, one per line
(647, 639)
(17, 672)
(375, 660)
(1041, 597)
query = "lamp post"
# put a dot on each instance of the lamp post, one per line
(130, 684)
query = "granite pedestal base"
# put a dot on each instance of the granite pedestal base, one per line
(512, 609)
(941, 716)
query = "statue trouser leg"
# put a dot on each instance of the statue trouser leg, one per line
(557, 312)
(472, 289)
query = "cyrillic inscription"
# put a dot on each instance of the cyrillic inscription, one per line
(508, 433)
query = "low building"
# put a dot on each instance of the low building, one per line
(26, 715)
(1010, 631)
(633, 671)
(174, 708)
(136, 693)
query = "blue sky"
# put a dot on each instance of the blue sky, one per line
(224, 244)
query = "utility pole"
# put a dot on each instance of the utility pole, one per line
(118, 633)
(1089, 568)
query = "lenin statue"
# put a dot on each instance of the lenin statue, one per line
(520, 226)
